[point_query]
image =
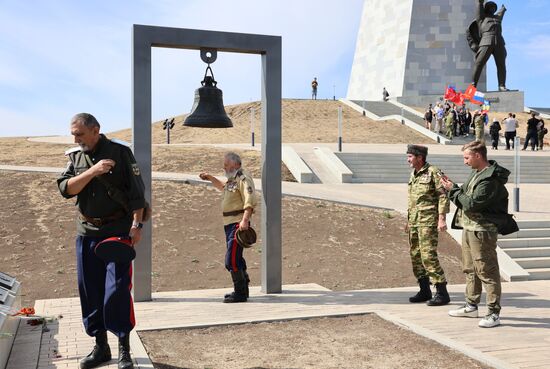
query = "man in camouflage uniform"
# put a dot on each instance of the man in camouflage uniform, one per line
(427, 208)
(479, 123)
(239, 200)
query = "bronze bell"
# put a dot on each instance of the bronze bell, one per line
(208, 110)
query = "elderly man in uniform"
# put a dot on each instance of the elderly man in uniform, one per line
(104, 288)
(239, 200)
(427, 208)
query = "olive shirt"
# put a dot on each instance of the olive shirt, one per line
(481, 197)
(427, 197)
(94, 201)
(238, 194)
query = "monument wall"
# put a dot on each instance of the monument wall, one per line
(413, 48)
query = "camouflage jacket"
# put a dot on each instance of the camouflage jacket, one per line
(427, 197)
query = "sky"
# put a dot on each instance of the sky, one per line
(62, 57)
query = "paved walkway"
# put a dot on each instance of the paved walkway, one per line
(522, 341)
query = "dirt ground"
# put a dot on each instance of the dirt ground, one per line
(362, 341)
(341, 247)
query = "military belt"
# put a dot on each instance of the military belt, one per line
(98, 222)
(231, 213)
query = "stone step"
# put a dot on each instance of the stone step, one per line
(529, 233)
(533, 262)
(523, 242)
(539, 273)
(525, 224)
(528, 252)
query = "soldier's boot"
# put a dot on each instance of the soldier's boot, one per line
(239, 284)
(425, 293)
(247, 293)
(99, 355)
(441, 296)
(124, 358)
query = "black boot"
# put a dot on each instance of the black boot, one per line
(247, 293)
(239, 284)
(124, 358)
(425, 293)
(99, 355)
(441, 296)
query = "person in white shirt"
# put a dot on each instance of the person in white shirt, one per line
(510, 125)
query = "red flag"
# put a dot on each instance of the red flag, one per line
(470, 91)
(449, 93)
(458, 98)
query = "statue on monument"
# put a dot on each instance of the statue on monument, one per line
(485, 39)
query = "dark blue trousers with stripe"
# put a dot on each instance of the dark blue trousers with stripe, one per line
(105, 291)
(234, 260)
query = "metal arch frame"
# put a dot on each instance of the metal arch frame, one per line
(269, 47)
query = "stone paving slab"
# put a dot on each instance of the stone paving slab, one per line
(522, 341)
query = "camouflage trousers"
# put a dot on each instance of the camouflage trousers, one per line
(423, 249)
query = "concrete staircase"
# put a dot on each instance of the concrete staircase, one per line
(393, 168)
(530, 248)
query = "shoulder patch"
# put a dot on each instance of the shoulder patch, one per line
(71, 150)
(120, 142)
(135, 169)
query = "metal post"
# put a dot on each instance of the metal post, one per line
(402, 116)
(340, 129)
(364, 109)
(516, 173)
(252, 112)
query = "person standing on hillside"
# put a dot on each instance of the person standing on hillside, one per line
(532, 134)
(494, 129)
(104, 287)
(510, 126)
(479, 124)
(427, 207)
(238, 203)
(541, 131)
(428, 117)
(314, 85)
(482, 213)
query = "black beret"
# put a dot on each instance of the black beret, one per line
(417, 150)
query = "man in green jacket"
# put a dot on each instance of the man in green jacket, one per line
(479, 199)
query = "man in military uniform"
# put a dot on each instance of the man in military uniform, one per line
(482, 211)
(239, 200)
(479, 124)
(104, 288)
(485, 39)
(427, 208)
